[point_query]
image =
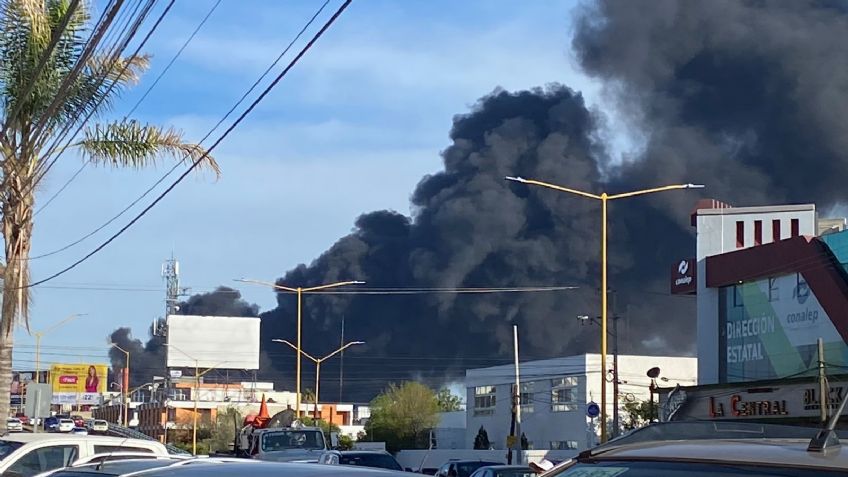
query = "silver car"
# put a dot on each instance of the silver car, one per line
(711, 449)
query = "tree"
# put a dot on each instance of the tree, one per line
(402, 416)
(525, 444)
(481, 441)
(227, 424)
(637, 414)
(49, 85)
(448, 402)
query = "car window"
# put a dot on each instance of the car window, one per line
(105, 449)
(515, 473)
(443, 471)
(43, 459)
(687, 469)
(7, 447)
(465, 469)
(381, 461)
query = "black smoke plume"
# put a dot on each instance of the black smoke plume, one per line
(746, 97)
(148, 359)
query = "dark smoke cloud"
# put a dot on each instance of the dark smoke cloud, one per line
(148, 359)
(743, 96)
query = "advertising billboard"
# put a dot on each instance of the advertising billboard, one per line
(683, 280)
(78, 383)
(20, 379)
(769, 329)
(220, 342)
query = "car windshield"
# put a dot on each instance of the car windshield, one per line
(283, 440)
(382, 461)
(465, 469)
(515, 473)
(7, 447)
(687, 469)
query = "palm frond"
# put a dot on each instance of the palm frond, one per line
(131, 144)
(101, 82)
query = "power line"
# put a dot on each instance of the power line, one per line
(202, 140)
(206, 154)
(137, 104)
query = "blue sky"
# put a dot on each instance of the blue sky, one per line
(353, 128)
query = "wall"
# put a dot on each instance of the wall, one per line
(416, 459)
(541, 422)
(716, 234)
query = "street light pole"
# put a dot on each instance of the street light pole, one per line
(39, 334)
(318, 362)
(300, 291)
(604, 198)
(125, 384)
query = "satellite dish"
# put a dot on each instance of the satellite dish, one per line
(654, 372)
(629, 397)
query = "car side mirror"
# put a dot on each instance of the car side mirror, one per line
(334, 440)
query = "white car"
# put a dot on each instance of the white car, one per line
(65, 425)
(13, 424)
(28, 454)
(99, 425)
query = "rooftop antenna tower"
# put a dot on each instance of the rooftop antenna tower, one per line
(173, 292)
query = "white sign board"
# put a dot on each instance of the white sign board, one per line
(38, 397)
(220, 342)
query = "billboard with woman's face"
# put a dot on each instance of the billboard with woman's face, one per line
(78, 383)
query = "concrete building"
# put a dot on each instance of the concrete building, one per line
(555, 394)
(770, 282)
(451, 430)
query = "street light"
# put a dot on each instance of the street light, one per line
(123, 389)
(300, 291)
(318, 362)
(39, 334)
(197, 375)
(604, 198)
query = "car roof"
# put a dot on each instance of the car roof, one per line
(25, 437)
(507, 467)
(776, 452)
(362, 452)
(269, 469)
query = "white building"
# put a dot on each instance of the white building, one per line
(450, 432)
(555, 394)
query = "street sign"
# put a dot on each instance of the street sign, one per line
(510, 441)
(176, 374)
(593, 410)
(38, 398)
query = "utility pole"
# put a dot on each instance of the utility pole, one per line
(824, 396)
(615, 381)
(515, 424)
(341, 364)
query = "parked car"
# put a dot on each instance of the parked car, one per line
(23, 417)
(98, 425)
(13, 424)
(712, 449)
(27, 454)
(51, 423)
(65, 425)
(214, 467)
(376, 459)
(79, 430)
(463, 468)
(504, 471)
(78, 421)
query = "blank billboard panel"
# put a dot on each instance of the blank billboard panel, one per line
(220, 342)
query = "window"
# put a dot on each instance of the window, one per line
(485, 398)
(740, 234)
(773, 290)
(525, 397)
(563, 445)
(795, 228)
(775, 230)
(563, 394)
(758, 232)
(738, 301)
(106, 449)
(44, 459)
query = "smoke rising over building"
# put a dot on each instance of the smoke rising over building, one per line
(735, 95)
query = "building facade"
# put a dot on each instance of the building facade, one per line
(555, 394)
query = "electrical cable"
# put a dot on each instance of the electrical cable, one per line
(140, 100)
(202, 140)
(197, 162)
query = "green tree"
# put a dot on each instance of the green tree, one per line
(448, 402)
(402, 416)
(636, 414)
(325, 426)
(227, 423)
(48, 86)
(481, 441)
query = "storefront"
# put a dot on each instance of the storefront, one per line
(795, 401)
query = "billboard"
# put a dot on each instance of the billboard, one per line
(78, 383)
(769, 329)
(220, 342)
(20, 380)
(683, 280)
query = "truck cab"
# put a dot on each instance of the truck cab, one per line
(296, 443)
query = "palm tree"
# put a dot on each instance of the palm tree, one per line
(48, 86)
